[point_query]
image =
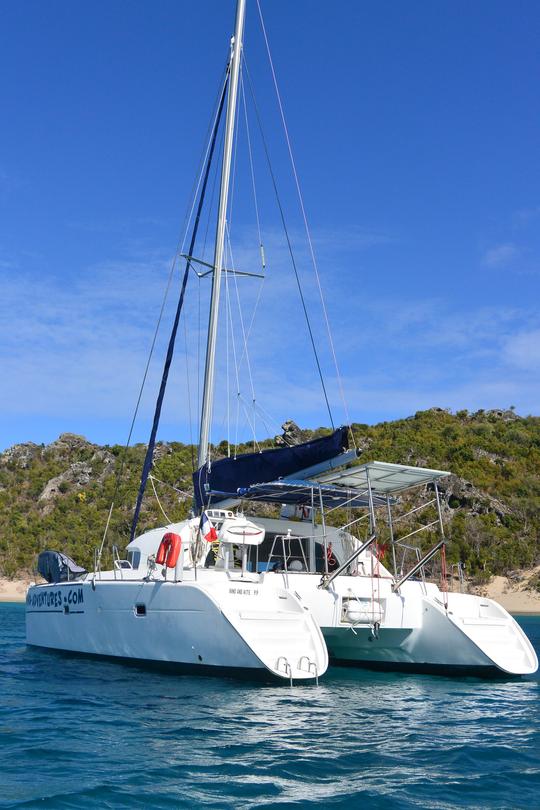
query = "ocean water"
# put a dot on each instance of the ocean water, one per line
(85, 733)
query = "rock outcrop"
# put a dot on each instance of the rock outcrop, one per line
(77, 475)
(292, 435)
(68, 443)
(21, 455)
(457, 493)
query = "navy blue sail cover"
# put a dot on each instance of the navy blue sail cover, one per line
(228, 475)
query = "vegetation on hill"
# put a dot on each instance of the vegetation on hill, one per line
(492, 501)
(58, 496)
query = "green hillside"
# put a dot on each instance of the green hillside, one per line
(58, 496)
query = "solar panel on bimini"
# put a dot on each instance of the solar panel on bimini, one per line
(385, 478)
(306, 493)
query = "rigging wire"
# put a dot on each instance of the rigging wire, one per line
(261, 285)
(233, 344)
(251, 423)
(188, 385)
(187, 220)
(199, 288)
(236, 138)
(179, 249)
(228, 393)
(148, 461)
(185, 495)
(240, 401)
(230, 321)
(246, 334)
(306, 226)
(251, 167)
(289, 247)
(269, 416)
(212, 197)
(227, 219)
(199, 345)
(169, 521)
(245, 347)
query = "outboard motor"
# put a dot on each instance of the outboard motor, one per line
(57, 567)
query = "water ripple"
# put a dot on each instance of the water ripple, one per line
(78, 732)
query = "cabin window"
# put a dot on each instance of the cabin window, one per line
(259, 559)
(140, 610)
(296, 550)
(134, 557)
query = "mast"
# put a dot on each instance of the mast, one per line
(208, 389)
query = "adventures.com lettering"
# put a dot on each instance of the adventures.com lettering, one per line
(55, 599)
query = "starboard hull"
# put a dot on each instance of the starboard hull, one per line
(413, 631)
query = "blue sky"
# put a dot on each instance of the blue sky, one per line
(415, 129)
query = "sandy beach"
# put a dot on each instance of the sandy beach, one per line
(515, 597)
(14, 590)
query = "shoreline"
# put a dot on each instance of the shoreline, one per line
(511, 595)
(14, 590)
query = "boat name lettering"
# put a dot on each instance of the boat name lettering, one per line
(55, 599)
(244, 591)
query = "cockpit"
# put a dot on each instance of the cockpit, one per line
(261, 544)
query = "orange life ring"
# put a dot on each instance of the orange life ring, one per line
(169, 550)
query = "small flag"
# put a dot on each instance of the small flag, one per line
(207, 529)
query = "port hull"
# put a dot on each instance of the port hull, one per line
(215, 624)
(180, 623)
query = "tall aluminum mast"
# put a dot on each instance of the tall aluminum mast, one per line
(208, 390)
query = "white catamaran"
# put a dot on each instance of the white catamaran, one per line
(279, 595)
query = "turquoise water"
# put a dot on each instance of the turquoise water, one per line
(80, 733)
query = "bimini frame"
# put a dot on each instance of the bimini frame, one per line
(372, 487)
(382, 480)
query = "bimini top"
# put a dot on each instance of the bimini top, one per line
(383, 477)
(306, 493)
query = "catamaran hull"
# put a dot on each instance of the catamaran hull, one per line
(415, 667)
(144, 621)
(440, 646)
(407, 651)
(214, 628)
(412, 630)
